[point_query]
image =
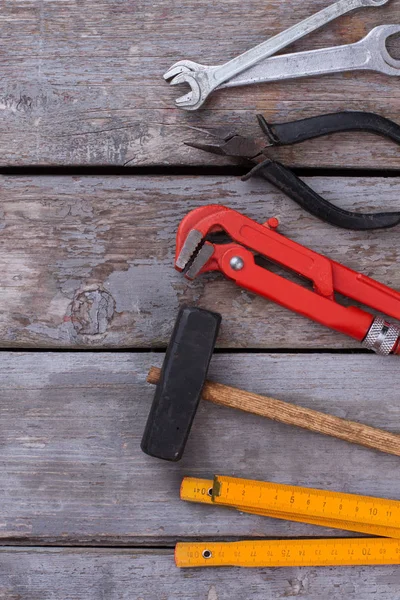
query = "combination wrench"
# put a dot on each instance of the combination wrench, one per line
(203, 80)
(369, 54)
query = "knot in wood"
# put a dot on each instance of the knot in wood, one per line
(92, 312)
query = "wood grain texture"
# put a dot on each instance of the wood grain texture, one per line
(82, 81)
(73, 472)
(290, 414)
(88, 262)
(83, 574)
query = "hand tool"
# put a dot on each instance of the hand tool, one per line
(289, 553)
(363, 514)
(264, 406)
(228, 143)
(182, 381)
(369, 54)
(322, 510)
(203, 80)
(216, 238)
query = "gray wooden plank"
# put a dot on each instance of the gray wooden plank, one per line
(83, 574)
(82, 82)
(73, 472)
(88, 262)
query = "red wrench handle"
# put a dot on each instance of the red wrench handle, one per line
(365, 290)
(351, 321)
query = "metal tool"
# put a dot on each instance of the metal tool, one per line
(352, 512)
(216, 238)
(203, 79)
(228, 143)
(369, 54)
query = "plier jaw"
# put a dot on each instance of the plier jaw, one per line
(200, 249)
(230, 143)
(234, 146)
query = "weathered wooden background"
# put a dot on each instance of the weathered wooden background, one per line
(89, 295)
(82, 80)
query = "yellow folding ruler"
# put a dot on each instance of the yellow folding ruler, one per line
(362, 514)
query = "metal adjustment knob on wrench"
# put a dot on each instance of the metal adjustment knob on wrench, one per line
(203, 80)
(382, 337)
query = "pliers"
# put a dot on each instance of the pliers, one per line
(217, 238)
(283, 134)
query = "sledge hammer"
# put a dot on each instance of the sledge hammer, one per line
(182, 381)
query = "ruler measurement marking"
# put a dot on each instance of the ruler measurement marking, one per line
(330, 509)
(281, 553)
(337, 506)
(189, 494)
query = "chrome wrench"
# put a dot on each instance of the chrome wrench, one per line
(369, 54)
(203, 80)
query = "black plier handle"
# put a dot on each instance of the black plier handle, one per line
(285, 134)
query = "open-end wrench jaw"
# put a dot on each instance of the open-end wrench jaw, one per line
(182, 66)
(200, 81)
(190, 100)
(193, 74)
(378, 37)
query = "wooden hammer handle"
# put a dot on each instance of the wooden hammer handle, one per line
(284, 412)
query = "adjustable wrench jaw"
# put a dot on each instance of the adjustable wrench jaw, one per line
(193, 251)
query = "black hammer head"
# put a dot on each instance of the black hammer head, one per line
(183, 376)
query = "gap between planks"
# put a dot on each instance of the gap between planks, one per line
(87, 262)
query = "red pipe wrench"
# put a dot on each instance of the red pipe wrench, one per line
(216, 238)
